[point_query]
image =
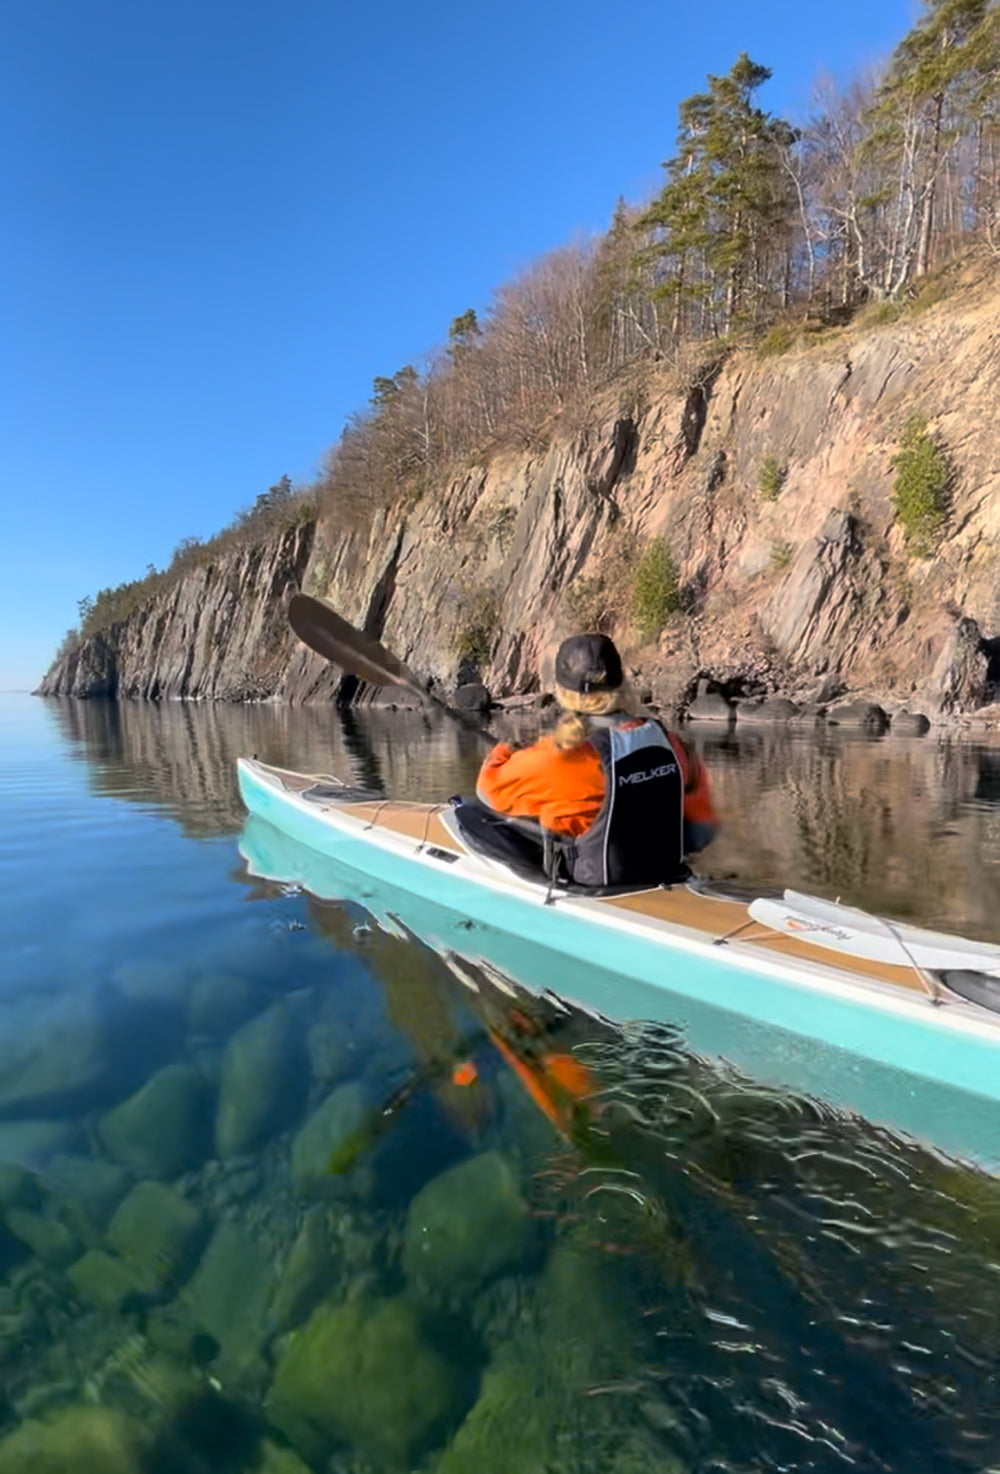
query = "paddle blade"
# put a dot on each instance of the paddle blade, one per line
(326, 632)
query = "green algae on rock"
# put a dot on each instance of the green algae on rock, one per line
(262, 1088)
(364, 1373)
(467, 1225)
(161, 1131)
(512, 1428)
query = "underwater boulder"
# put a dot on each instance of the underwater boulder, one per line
(87, 1190)
(161, 1130)
(152, 980)
(47, 1238)
(276, 1460)
(310, 1272)
(157, 1232)
(19, 1188)
(75, 1440)
(512, 1427)
(467, 1225)
(365, 1374)
(104, 1280)
(263, 1083)
(221, 1002)
(228, 1298)
(326, 1147)
(31, 1145)
(61, 1059)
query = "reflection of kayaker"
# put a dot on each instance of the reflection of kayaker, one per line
(557, 1081)
(530, 1043)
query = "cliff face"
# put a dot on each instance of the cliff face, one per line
(218, 633)
(813, 587)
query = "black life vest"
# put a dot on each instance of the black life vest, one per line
(637, 838)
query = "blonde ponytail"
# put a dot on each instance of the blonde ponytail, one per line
(571, 731)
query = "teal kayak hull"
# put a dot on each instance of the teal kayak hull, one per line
(933, 1072)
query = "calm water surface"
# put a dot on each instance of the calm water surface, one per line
(281, 1192)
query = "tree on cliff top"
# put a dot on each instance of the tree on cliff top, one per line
(940, 88)
(727, 208)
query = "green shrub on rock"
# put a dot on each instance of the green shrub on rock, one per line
(920, 496)
(655, 588)
(771, 478)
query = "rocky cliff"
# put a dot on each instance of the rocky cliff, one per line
(811, 594)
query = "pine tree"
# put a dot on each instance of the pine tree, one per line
(724, 216)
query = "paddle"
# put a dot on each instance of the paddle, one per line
(319, 626)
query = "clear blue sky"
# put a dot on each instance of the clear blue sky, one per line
(223, 218)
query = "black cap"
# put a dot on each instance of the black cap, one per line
(588, 663)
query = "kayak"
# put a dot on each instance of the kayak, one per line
(896, 1022)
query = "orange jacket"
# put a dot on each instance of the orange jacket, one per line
(564, 788)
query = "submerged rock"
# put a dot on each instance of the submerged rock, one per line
(105, 1280)
(31, 1144)
(88, 1189)
(323, 1151)
(263, 1083)
(19, 1188)
(75, 1440)
(310, 1271)
(157, 1232)
(467, 1225)
(220, 1002)
(151, 980)
(65, 1059)
(44, 1235)
(276, 1460)
(364, 1373)
(228, 1298)
(162, 1130)
(511, 1429)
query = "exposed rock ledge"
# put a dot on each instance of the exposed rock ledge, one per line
(806, 596)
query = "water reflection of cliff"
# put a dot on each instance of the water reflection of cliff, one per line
(182, 755)
(910, 827)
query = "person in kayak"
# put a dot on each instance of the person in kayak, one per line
(625, 799)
